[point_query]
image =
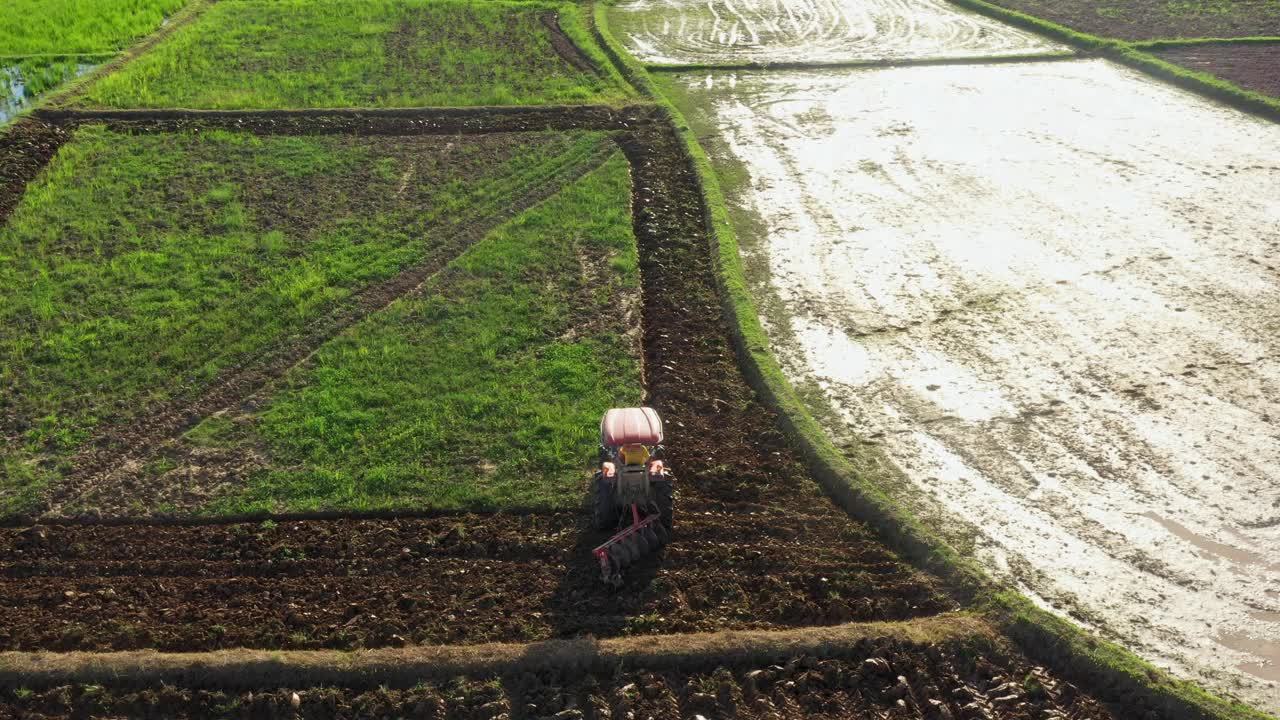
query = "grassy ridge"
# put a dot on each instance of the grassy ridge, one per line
(266, 54)
(138, 267)
(68, 27)
(483, 393)
(1196, 42)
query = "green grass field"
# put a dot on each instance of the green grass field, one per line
(257, 54)
(70, 27)
(137, 268)
(484, 392)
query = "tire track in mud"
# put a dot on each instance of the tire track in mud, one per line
(106, 476)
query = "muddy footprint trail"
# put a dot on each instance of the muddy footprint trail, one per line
(758, 546)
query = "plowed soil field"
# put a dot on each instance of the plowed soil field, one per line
(756, 544)
(1157, 19)
(1252, 67)
(878, 679)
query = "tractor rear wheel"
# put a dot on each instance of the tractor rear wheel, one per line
(604, 512)
(663, 496)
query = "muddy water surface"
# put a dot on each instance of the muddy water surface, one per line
(1050, 293)
(737, 31)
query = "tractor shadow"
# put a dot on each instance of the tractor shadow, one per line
(582, 604)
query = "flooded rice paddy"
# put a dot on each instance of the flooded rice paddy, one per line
(812, 31)
(1050, 294)
(20, 84)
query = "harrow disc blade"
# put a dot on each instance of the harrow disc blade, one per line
(660, 532)
(650, 538)
(626, 555)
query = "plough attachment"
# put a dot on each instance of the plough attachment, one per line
(644, 535)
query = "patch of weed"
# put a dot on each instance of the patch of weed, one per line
(138, 268)
(375, 53)
(486, 391)
(65, 27)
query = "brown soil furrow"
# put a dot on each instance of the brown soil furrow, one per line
(405, 667)
(1252, 66)
(26, 147)
(362, 121)
(471, 578)
(143, 438)
(565, 48)
(945, 667)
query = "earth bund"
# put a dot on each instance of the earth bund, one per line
(884, 677)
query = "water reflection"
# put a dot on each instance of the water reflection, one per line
(22, 82)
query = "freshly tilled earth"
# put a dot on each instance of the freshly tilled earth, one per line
(1252, 67)
(26, 147)
(458, 579)
(1157, 19)
(877, 679)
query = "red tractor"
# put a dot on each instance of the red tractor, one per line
(631, 491)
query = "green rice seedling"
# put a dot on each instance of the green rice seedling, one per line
(138, 269)
(243, 54)
(485, 391)
(75, 27)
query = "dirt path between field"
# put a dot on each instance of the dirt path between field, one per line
(946, 667)
(405, 667)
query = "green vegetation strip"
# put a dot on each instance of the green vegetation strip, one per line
(1202, 83)
(138, 268)
(54, 57)
(260, 54)
(1133, 55)
(406, 667)
(1196, 42)
(858, 485)
(32, 27)
(483, 392)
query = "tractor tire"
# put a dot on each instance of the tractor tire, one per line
(604, 511)
(664, 497)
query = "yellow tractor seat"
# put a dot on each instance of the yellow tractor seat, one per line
(634, 454)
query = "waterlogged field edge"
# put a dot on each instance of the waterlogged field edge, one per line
(1119, 674)
(1134, 56)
